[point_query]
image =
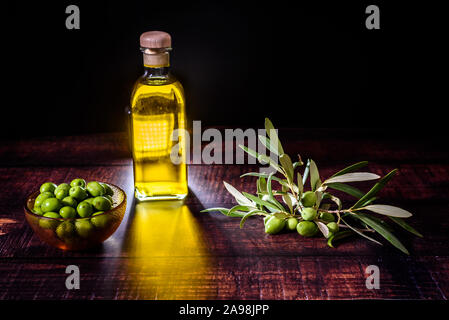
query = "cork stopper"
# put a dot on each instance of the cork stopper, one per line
(155, 40)
(155, 46)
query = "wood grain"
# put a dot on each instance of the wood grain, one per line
(206, 255)
(252, 277)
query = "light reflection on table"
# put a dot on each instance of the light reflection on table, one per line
(168, 254)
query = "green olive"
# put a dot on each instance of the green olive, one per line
(61, 193)
(102, 203)
(307, 228)
(100, 220)
(95, 189)
(291, 224)
(77, 192)
(38, 210)
(84, 209)
(49, 224)
(266, 219)
(107, 189)
(51, 205)
(47, 187)
(40, 198)
(308, 199)
(274, 225)
(308, 214)
(84, 228)
(90, 200)
(69, 201)
(62, 186)
(327, 217)
(109, 198)
(67, 212)
(66, 230)
(78, 183)
(333, 227)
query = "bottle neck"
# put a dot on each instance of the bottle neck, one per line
(156, 71)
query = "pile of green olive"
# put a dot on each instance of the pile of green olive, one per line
(73, 201)
(305, 224)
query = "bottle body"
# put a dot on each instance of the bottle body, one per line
(157, 111)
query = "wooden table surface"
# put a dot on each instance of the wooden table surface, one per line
(168, 250)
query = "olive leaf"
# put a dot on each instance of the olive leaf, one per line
(369, 201)
(280, 215)
(375, 189)
(270, 193)
(337, 236)
(266, 142)
(268, 205)
(360, 233)
(406, 226)
(356, 193)
(261, 185)
(286, 163)
(241, 199)
(379, 221)
(315, 181)
(261, 157)
(249, 151)
(240, 208)
(225, 211)
(300, 185)
(323, 228)
(388, 210)
(353, 177)
(319, 198)
(272, 133)
(293, 199)
(283, 182)
(267, 160)
(306, 172)
(288, 201)
(333, 198)
(382, 231)
(351, 168)
(286, 185)
(249, 214)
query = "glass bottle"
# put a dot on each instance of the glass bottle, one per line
(157, 111)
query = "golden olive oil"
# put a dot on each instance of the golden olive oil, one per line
(157, 109)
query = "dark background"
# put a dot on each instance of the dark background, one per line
(302, 65)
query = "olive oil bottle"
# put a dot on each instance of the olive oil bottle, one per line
(157, 112)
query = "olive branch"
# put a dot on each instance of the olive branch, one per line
(291, 207)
